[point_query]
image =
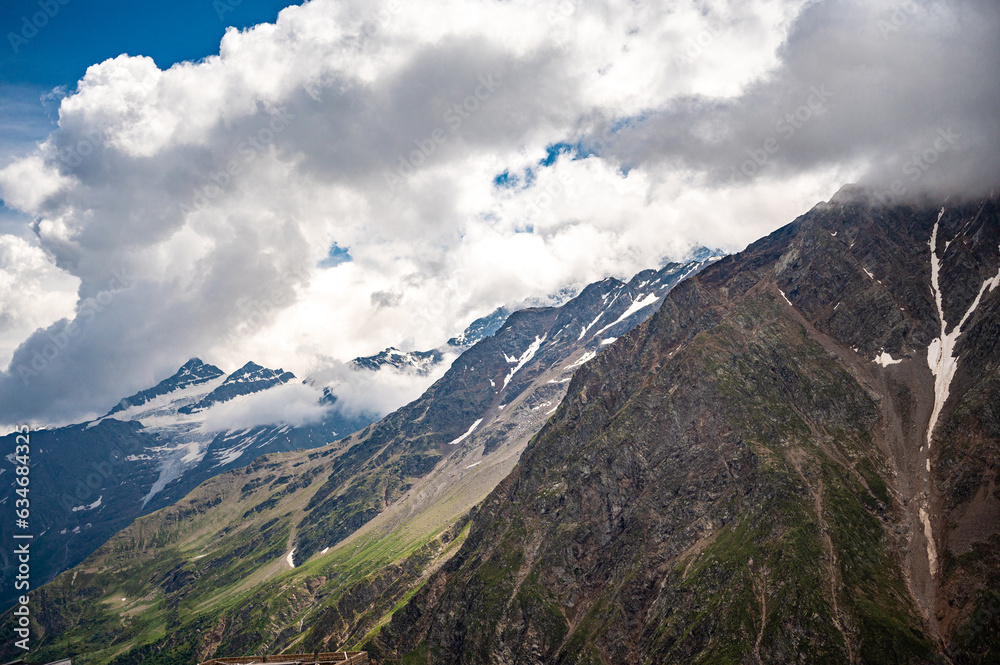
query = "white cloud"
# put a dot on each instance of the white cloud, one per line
(291, 403)
(363, 392)
(218, 187)
(33, 293)
(28, 182)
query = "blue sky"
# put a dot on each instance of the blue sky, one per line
(82, 32)
(78, 33)
(75, 34)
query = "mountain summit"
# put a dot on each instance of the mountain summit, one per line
(192, 373)
(786, 455)
(152, 448)
(247, 380)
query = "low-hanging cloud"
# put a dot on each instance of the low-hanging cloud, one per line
(295, 404)
(194, 211)
(362, 392)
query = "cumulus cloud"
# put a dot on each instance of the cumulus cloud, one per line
(903, 92)
(294, 404)
(359, 175)
(33, 293)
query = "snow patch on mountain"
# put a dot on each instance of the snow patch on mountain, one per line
(191, 374)
(162, 411)
(91, 506)
(886, 359)
(418, 362)
(940, 353)
(638, 304)
(590, 325)
(943, 365)
(189, 409)
(587, 357)
(467, 434)
(528, 354)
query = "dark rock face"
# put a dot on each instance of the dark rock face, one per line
(247, 380)
(738, 479)
(309, 501)
(413, 440)
(191, 373)
(420, 362)
(91, 480)
(77, 472)
(481, 328)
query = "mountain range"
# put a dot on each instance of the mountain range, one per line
(423, 362)
(156, 445)
(243, 548)
(788, 454)
(92, 479)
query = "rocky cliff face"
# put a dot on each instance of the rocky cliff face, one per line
(794, 460)
(247, 380)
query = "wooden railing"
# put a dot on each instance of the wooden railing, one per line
(320, 657)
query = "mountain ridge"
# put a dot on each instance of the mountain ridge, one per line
(92, 479)
(193, 372)
(410, 480)
(745, 475)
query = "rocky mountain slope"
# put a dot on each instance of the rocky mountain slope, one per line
(318, 547)
(794, 460)
(481, 328)
(418, 362)
(423, 362)
(247, 380)
(93, 479)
